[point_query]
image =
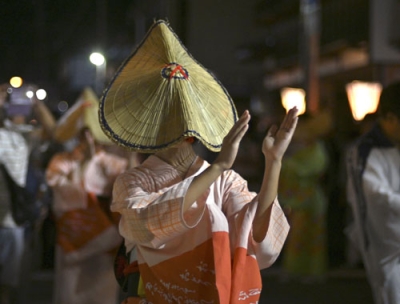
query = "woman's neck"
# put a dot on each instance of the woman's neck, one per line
(180, 157)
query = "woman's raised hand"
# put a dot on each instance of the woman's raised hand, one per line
(278, 139)
(231, 142)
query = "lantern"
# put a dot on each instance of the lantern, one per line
(363, 98)
(294, 97)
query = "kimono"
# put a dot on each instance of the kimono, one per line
(373, 164)
(87, 235)
(301, 191)
(204, 255)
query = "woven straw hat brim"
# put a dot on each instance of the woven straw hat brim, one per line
(147, 109)
(78, 117)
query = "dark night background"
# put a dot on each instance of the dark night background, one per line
(255, 47)
(48, 42)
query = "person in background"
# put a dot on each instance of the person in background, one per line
(17, 139)
(373, 191)
(198, 234)
(303, 196)
(353, 255)
(14, 154)
(86, 233)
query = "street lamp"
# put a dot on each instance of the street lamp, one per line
(99, 61)
(41, 94)
(363, 98)
(97, 58)
(16, 82)
(294, 97)
(29, 94)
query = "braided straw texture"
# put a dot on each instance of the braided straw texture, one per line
(161, 94)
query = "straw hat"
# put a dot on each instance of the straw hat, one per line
(161, 94)
(84, 113)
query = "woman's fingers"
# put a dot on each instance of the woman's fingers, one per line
(272, 131)
(290, 120)
(240, 127)
(232, 140)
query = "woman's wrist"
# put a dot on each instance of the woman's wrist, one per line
(217, 168)
(273, 160)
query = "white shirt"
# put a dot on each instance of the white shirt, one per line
(14, 155)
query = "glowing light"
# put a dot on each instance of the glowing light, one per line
(97, 58)
(363, 98)
(41, 94)
(29, 94)
(292, 97)
(16, 82)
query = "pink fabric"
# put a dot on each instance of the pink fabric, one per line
(84, 271)
(102, 171)
(201, 254)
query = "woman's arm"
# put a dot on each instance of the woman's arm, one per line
(224, 161)
(45, 117)
(273, 148)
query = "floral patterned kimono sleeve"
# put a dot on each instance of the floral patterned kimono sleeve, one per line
(152, 219)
